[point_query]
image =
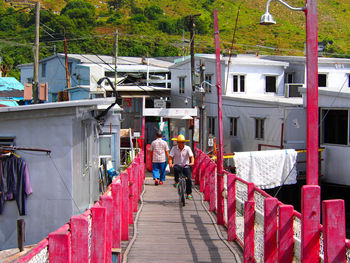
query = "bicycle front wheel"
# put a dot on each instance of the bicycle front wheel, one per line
(181, 189)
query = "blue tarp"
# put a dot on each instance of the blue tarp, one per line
(9, 103)
(10, 83)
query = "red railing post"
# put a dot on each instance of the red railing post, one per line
(107, 202)
(231, 208)
(270, 230)
(98, 233)
(209, 173)
(131, 194)
(60, 245)
(333, 215)
(249, 219)
(80, 238)
(285, 234)
(125, 206)
(251, 188)
(310, 223)
(195, 166)
(204, 167)
(116, 218)
(212, 201)
(201, 158)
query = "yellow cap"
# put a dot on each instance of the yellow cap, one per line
(180, 138)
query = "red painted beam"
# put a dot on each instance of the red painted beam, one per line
(231, 207)
(116, 214)
(333, 215)
(80, 238)
(212, 201)
(249, 219)
(270, 230)
(125, 206)
(285, 234)
(98, 233)
(60, 245)
(310, 223)
(107, 202)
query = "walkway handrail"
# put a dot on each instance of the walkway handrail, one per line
(100, 228)
(277, 227)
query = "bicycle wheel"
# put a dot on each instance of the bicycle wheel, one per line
(182, 192)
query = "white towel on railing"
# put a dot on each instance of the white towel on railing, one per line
(267, 169)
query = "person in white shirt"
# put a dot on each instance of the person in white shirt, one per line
(159, 149)
(182, 154)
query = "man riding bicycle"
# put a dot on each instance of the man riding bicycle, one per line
(182, 154)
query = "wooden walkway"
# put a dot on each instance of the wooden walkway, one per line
(168, 232)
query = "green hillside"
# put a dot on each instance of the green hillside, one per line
(160, 28)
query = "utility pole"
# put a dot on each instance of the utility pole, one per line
(66, 58)
(36, 54)
(115, 59)
(191, 27)
(204, 134)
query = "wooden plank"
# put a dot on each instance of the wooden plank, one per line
(168, 232)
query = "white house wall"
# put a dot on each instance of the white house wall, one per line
(50, 205)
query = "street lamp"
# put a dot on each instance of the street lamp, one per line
(311, 192)
(99, 82)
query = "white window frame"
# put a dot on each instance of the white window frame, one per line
(259, 128)
(240, 89)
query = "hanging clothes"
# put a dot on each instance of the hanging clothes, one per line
(14, 182)
(267, 169)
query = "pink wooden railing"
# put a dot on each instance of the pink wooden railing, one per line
(100, 228)
(268, 230)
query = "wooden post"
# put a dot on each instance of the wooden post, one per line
(125, 206)
(333, 218)
(212, 201)
(249, 218)
(80, 238)
(98, 234)
(231, 208)
(136, 188)
(285, 234)
(60, 245)
(310, 223)
(21, 234)
(131, 194)
(116, 223)
(107, 202)
(270, 230)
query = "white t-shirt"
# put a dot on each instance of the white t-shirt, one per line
(181, 157)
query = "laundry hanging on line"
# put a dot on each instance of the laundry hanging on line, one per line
(267, 169)
(14, 182)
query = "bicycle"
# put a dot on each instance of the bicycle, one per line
(181, 187)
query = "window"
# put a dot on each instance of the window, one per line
(238, 83)
(70, 66)
(259, 128)
(335, 126)
(7, 141)
(270, 84)
(322, 80)
(349, 80)
(233, 126)
(211, 122)
(289, 78)
(105, 146)
(208, 78)
(181, 85)
(43, 70)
